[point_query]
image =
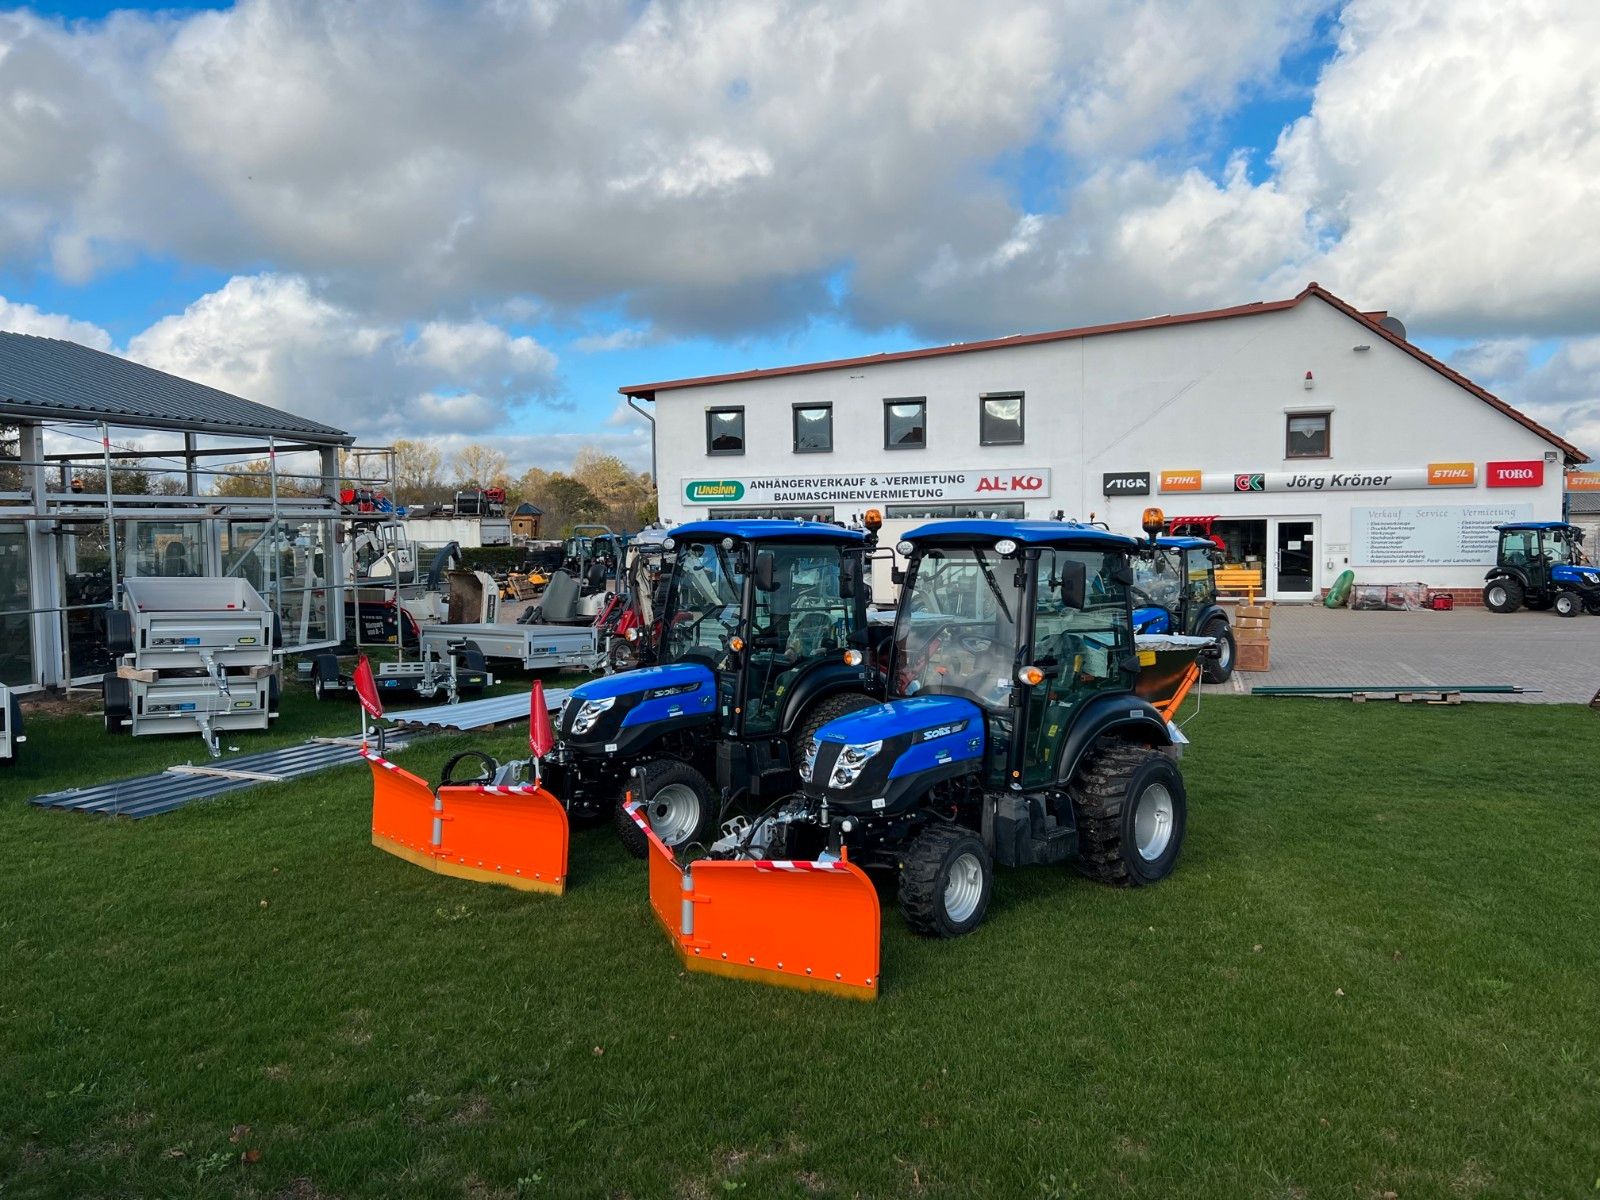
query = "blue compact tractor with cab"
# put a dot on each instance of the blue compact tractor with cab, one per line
(1016, 735)
(1541, 565)
(762, 637)
(1175, 591)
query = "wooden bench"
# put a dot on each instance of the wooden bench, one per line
(1245, 581)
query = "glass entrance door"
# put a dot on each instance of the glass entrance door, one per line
(1296, 561)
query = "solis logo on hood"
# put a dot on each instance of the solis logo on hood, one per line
(713, 491)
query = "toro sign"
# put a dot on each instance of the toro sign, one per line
(1526, 473)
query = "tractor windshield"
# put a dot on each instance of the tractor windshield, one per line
(802, 620)
(1159, 579)
(957, 627)
(702, 607)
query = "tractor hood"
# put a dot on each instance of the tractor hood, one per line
(881, 759)
(1578, 577)
(636, 706)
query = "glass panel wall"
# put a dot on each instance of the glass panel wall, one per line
(16, 637)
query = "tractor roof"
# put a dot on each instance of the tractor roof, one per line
(1516, 525)
(1029, 533)
(1186, 543)
(768, 529)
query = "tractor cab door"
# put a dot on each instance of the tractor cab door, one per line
(1159, 589)
(1521, 554)
(804, 619)
(700, 614)
(1083, 650)
(1200, 586)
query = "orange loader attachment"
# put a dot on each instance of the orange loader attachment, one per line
(515, 835)
(808, 925)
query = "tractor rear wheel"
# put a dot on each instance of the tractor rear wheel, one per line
(1568, 604)
(678, 803)
(945, 880)
(1132, 813)
(829, 708)
(1218, 668)
(1503, 595)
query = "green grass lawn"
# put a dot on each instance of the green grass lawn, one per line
(1376, 970)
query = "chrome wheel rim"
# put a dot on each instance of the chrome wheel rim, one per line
(1152, 822)
(963, 887)
(1224, 652)
(674, 812)
(1497, 596)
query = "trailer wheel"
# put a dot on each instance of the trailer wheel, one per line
(678, 803)
(1218, 669)
(945, 881)
(1503, 595)
(118, 704)
(324, 675)
(119, 633)
(1132, 813)
(1568, 604)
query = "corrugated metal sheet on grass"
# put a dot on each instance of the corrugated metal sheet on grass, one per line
(477, 714)
(150, 795)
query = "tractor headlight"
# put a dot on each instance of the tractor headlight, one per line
(809, 762)
(847, 767)
(590, 713)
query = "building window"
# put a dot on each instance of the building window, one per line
(817, 512)
(970, 509)
(1000, 419)
(1308, 435)
(724, 431)
(905, 424)
(813, 428)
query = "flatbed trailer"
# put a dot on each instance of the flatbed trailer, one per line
(533, 647)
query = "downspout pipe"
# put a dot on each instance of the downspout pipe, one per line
(633, 403)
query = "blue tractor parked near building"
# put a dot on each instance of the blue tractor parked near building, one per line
(1175, 591)
(762, 638)
(1541, 565)
(1016, 735)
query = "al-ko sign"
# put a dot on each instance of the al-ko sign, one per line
(1434, 475)
(1125, 483)
(970, 484)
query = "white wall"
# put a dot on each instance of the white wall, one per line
(1211, 396)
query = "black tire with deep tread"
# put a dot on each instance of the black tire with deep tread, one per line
(656, 774)
(923, 870)
(1513, 592)
(829, 708)
(1103, 793)
(1212, 669)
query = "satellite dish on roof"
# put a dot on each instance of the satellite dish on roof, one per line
(1394, 326)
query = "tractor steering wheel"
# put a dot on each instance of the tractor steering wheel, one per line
(487, 767)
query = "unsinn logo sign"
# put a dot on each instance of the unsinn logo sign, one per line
(713, 491)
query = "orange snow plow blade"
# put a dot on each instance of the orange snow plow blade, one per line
(515, 835)
(808, 925)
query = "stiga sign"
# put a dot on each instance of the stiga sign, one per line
(1125, 483)
(1434, 475)
(970, 484)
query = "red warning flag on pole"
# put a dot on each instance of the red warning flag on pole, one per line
(541, 738)
(367, 689)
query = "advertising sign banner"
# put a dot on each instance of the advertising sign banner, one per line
(1125, 483)
(1583, 481)
(971, 483)
(1526, 473)
(1434, 475)
(1435, 536)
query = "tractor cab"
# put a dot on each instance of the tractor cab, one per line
(1175, 591)
(1541, 565)
(761, 635)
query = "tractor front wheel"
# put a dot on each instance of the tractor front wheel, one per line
(1568, 604)
(1132, 813)
(1218, 667)
(1503, 595)
(678, 803)
(945, 880)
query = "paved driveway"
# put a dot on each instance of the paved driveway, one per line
(1315, 645)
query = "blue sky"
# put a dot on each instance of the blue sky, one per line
(428, 219)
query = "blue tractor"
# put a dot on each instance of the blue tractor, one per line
(1175, 591)
(1541, 565)
(1016, 735)
(762, 637)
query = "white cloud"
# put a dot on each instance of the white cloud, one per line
(26, 318)
(276, 339)
(1561, 392)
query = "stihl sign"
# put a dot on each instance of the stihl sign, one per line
(1528, 473)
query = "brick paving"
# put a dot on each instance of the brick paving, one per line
(1315, 645)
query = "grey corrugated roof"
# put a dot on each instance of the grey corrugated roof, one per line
(1583, 502)
(528, 509)
(44, 377)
